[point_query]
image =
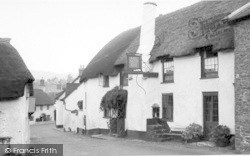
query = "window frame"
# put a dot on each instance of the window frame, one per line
(165, 107)
(105, 81)
(106, 113)
(123, 79)
(207, 55)
(164, 74)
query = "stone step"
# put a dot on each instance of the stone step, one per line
(159, 131)
(176, 132)
(155, 127)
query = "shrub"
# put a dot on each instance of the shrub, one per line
(220, 135)
(192, 133)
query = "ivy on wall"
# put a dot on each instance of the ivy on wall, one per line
(115, 99)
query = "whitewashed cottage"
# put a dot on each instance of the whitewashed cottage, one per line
(44, 108)
(15, 93)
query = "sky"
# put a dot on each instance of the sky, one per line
(60, 35)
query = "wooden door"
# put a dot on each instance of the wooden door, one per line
(167, 107)
(211, 111)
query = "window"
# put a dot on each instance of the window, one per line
(123, 79)
(80, 104)
(47, 107)
(167, 107)
(168, 70)
(209, 63)
(106, 81)
(41, 107)
(103, 81)
(107, 113)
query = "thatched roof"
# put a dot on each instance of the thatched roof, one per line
(42, 98)
(174, 36)
(14, 74)
(103, 62)
(172, 30)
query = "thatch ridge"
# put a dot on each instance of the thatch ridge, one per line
(14, 74)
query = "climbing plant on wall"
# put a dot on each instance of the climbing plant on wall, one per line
(115, 101)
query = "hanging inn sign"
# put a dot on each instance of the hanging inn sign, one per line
(134, 66)
(134, 63)
(212, 31)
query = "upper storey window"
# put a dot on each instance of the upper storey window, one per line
(209, 64)
(168, 70)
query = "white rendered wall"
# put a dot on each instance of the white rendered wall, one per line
(93, 94)
(71, 120)
(14, 120)
(38, 112)
(187, 91)
(59, 110)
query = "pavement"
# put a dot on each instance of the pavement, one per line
(79, 145)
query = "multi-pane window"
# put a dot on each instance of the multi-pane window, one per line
(209, 64)
(168, 70)
(167, 107)
(211, 108)
(41, 107)
(47, 107)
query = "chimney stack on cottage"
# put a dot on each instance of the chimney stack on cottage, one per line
(147, 35)
(81, 70)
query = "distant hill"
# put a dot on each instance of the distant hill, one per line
(47, 75)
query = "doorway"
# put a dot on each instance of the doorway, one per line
(210, 111)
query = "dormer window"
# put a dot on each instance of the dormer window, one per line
(168, 70)
(103, 80)
(123, 79)
(209, 63)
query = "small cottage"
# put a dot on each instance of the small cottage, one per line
(44, 107)
(15, 92)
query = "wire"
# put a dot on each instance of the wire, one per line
(140, 85)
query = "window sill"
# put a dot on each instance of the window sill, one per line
(167, 120)
(204, 78)
(167, 82)
(106, 117)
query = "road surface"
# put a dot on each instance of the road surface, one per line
(80, 145)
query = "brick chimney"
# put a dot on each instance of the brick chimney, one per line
(147, 35)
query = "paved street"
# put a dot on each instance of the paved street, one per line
(79, 145)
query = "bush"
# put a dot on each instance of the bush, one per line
(192, 133)
(220, 135)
